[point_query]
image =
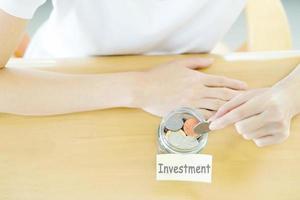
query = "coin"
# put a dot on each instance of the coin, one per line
(174, 123)
(175, 138)
(189, 142)
(180, 140)
(168, 134)
(201, 128)
(189, 125)
(171, 132)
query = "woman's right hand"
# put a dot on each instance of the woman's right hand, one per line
(176, 84)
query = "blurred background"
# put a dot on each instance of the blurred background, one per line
(234, 38)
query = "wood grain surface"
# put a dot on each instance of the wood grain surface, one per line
(110, 154)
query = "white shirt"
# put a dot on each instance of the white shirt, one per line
(78, 28)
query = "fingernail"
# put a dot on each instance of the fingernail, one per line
(213, 126)
(244, 85)
(216, 125)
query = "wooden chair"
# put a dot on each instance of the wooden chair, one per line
(267, 28)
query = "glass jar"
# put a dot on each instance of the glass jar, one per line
(164, 146)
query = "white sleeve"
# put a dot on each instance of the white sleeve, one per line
(21, 8)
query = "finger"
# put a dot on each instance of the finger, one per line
(220, 81)
(244, 111)
(256, 134)
(265, 140)
(230, 105)
(221, 93)
(210, 104)
(261, 132)
(206, 113)
(194, 63)
(250, 125)
(238, 100)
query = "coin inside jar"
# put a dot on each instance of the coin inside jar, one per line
(175, 122)
(179, 131)
(189, 125)
(181, 140)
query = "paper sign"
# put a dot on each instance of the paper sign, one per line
(184, 167)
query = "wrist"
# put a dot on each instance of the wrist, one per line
(283, 97)
(288, 97)
(117, 89)
(137, 90)
(131, 89)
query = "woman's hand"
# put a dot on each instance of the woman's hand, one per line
(262, 115)
(177, 84)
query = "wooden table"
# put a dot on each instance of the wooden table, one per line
(110, 154)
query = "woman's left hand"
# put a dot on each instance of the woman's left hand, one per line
(261, 115)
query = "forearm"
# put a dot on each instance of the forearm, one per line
(34, 92)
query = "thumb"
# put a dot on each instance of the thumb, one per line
(195, 63)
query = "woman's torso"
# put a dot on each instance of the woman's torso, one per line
(104, 27)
